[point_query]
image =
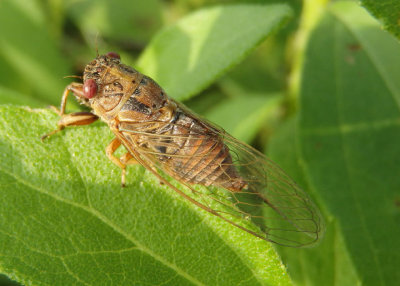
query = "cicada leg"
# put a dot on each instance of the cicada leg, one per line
(127, 159)
(123, 161)
(72, 119)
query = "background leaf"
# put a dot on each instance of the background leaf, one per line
(347, 137)
(12, 97)
(187, 57)
(68, 216)
(387, 12)
(329, 263)
(243, 116)
(117, 19)
(39, 66)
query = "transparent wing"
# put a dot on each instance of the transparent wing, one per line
(283, 211)
(269, 205)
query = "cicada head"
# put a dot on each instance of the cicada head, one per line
(105, 81)
(96, 69)
(93, 76)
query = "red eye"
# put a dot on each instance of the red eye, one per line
(113, 55)
(89, 88)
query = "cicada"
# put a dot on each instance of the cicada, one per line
(215, 171)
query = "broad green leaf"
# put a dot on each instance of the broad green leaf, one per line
(187, 57)
(27, 47)
(328, 263)
(348, 134)
(387, 12)
(118, 20)
(262, 71)
(13, 97)
(5, 281)
(243, 116)
(10, 78)
(65, 220)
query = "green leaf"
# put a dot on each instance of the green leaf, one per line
(185, 58)
(12, 97)
(5, 281)
(118, 19)
(328, 263)
(387, 12)
(27, 47)
(347, 142)
(65, 220)
(243, 116)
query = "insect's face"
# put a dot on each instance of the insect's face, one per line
(105, 81)
(96, 69)
(94, 74)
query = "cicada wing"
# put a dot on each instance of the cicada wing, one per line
(282, 212)
(213, 200)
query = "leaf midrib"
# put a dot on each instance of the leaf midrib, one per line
(344, 128)
(346, 156)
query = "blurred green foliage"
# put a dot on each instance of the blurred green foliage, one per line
(318, 91)
(387, 12)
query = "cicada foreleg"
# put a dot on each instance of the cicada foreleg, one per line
(123, 161)
(72, 119)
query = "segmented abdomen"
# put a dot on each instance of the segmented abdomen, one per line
(195, 154)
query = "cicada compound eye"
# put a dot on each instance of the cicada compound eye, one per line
(89, 88)
(113, 55)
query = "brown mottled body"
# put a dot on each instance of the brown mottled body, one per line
(135, 106)
(166, 138)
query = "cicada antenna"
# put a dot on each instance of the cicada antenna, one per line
(96, 44)
(73, 76)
